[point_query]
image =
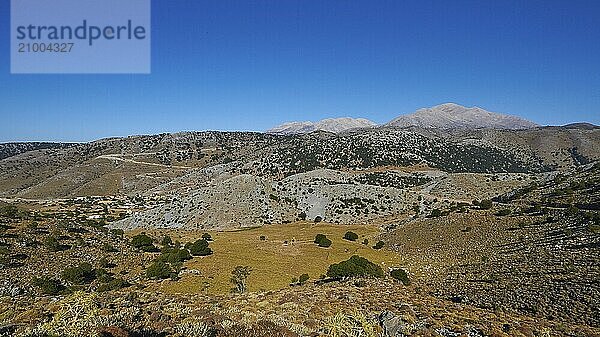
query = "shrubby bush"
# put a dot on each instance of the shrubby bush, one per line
(175, 255)
(159, 270)
(485, 204)
(166, 241)
(207, 237)
(379, 245)
(322, 240)
(81, 274)
(354, 266)
(114, 284)
(503, 212)
(303, 278)
(144, 243)
(199, 248)
(52, 244)
(351, 236)
(400, 275)
(48, 285)
(435, 213)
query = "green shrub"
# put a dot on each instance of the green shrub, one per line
(9, 211)
(158, 270)
(303, 278)
(354, 266)
(52, 243)
(117, 232)
(114, 284)
(166, 241)
(48, 285)
(82, 274)
(107, 247)
(263, 238)
(485, 204)
(365, 242)
(318, 218)
(379, 245)
(322, 241)
(435, 213)
(400, 275)
(572, 210)
(351, 236)
(104, 263)
(207, 237)
(199, 248)
(144, 243)
(319, 237)
(503, 212)
(175, 255)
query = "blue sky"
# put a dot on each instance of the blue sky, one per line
(249, 65)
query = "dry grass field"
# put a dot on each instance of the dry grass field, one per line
(273, 261)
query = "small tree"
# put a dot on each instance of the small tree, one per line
(379, 245)
(207, 237)
(365, 242)
(239, 276)
(351, 236)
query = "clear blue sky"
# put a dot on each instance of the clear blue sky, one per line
(249, 65)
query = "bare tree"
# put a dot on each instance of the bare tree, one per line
(238, 278)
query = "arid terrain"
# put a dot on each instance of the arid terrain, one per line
(381, 231)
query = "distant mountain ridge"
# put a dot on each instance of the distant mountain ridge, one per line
(444, 116)
(454, 116)
(334, 125)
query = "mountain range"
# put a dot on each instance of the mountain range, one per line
(444, 116)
